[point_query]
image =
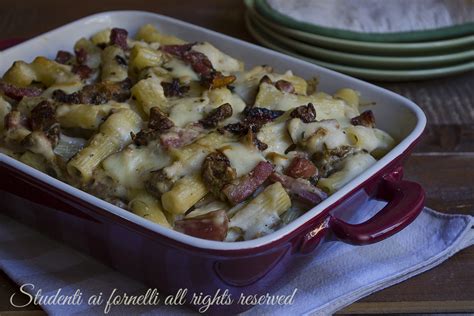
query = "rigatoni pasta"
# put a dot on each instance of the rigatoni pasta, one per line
(113, 135)
(178, 132)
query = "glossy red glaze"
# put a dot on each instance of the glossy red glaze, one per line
(405, 202)
(167, 264)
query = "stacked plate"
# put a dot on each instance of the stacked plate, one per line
(402, 56)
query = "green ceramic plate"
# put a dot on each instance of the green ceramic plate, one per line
(371, 48)
(417, 36)
(364, 73)
(368, 61)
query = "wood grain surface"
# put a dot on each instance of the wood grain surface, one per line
(443, 163)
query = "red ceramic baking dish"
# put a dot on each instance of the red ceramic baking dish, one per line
(169, 260)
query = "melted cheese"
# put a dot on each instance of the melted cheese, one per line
(329, 108)
(192, 158)
(219, 60)
(129, 166)
(189, 159)
(94, 57)
(246, 83)
(187, 110)
(85, 116)
(276, 136)
(66, 87)
(178, 69)
(351, 167)
(271, 98)
(298, 83)
(260, 215)
(369, 139)
(241, 157)
(314, 136)
(191, 109)
(326, 106)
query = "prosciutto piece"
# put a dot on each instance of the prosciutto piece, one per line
(301, 168)
(118, 37)
(81, 56)
(300, 189)
(63, 57)
(285, 86)
(17, 93)
(177, 137)
(241, 188)
(211, 226)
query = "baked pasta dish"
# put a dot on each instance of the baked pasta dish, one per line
(179, 133)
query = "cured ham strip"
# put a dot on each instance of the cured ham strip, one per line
(300, 189)
(177, 137)
(211, 226)
(118, 37)
(301, 168)
(17, 93)
(241, 188)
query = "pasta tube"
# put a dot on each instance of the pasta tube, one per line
(262, 213)
(148, 207)
(370, 139)
(112, 69)
(34, 160)
(149, 93)
(352, 166)
(101, 37)
(142, 57)
(20, 74)
(150, 34)
(93, 52)
(350, 96)
(186, 192)
(41, 69)
(189, 159)
(86, 116)
(113, 135)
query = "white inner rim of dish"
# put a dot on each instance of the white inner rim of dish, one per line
(394, 105)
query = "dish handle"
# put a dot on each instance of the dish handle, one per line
(405, 202)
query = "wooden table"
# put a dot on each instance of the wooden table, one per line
(443, 163)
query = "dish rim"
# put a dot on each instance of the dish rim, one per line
(403, 146)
